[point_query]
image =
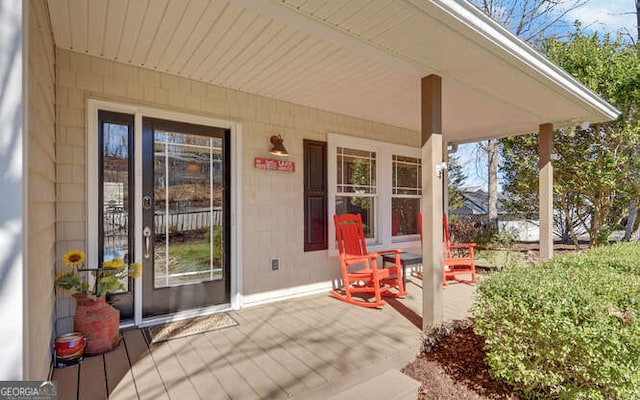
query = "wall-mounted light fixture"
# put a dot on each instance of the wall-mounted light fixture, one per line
(277, 147)
(440, 168)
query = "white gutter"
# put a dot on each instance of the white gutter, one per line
(492, 31)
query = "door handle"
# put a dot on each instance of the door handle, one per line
(146, 232)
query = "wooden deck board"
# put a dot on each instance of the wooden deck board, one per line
(146, 378)
(391, 333)
(88, 388)
(354, 332)
(314, 337)
(261, 335)
(252, 347)
(203, 379)
(175, 378)
(67, 382)
(245, 363)
(233, 382)
(296, 348)
(279, 350)
(119, 378)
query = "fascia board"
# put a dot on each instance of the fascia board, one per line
(489, 29)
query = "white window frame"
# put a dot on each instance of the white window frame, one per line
(382, 239)
(418, 196)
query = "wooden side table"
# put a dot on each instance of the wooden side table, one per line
(406, 259)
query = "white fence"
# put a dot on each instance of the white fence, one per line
(116, 224)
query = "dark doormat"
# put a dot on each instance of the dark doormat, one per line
(187, 327)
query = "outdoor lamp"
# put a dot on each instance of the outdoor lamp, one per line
(277, 147)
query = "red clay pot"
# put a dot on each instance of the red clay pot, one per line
(99, 322)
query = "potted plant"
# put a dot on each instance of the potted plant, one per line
(96, 319)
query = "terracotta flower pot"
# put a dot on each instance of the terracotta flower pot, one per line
(99, 322)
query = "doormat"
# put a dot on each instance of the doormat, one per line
(188, 327)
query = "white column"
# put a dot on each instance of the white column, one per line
(431, 108)
(545, 147)
(13, 182)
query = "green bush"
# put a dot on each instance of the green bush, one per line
(489, 238)
(568, 328)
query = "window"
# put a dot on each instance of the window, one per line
(381, 182)
(356, 185)
(406, 193)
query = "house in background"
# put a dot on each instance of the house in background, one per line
(476, 207)
(131, 128)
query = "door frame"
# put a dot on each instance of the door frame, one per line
(91, 151)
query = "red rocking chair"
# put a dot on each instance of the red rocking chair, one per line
(457, 259)
(360, 271)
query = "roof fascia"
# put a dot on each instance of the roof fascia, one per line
(492, 31)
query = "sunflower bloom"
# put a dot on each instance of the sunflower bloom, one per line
(62, 275)
(135, 270)
(117, 263)
(73, 258)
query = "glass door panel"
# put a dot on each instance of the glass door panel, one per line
(188, 191)
(185, 216)
(115, 236)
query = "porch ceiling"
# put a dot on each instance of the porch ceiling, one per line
(362, 58)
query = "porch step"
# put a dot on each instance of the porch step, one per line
(391, 385)
(382, 380)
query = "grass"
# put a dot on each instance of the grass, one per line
(498, 259)
(192, 256)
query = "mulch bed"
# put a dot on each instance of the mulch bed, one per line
(454, 368)
(452, 364)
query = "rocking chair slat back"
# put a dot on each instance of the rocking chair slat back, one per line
(350, 235)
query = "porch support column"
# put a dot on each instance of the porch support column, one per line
(545, 147)
(14, 283)
(431, 109)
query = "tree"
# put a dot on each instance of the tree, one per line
(456, 178)
(596, 169)
(529, 20)
(632, 229)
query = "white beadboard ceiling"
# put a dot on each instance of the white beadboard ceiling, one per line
(362, 58)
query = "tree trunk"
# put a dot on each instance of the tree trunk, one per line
(571, 226)
(492, 152)
(638, 18)
(631, 220)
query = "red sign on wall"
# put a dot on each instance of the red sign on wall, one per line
(274, 165)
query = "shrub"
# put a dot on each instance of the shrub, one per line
(488, 238)
(567, 328)
(464, 230)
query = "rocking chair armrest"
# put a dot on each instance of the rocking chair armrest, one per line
(383, 252)
(350, 260)
(463, 246)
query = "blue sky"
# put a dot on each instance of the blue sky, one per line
(597, 15)
(607, 15)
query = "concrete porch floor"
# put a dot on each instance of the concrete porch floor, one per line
(313, 347)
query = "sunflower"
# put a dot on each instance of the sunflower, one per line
(63, 275)
(135, 270)
(73, 258)
(117, 263)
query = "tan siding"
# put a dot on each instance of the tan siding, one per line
(42, 190)
(272, 202)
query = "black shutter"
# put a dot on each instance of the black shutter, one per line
(315, 195)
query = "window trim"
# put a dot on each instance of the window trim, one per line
(404, 238)
(384, 182)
